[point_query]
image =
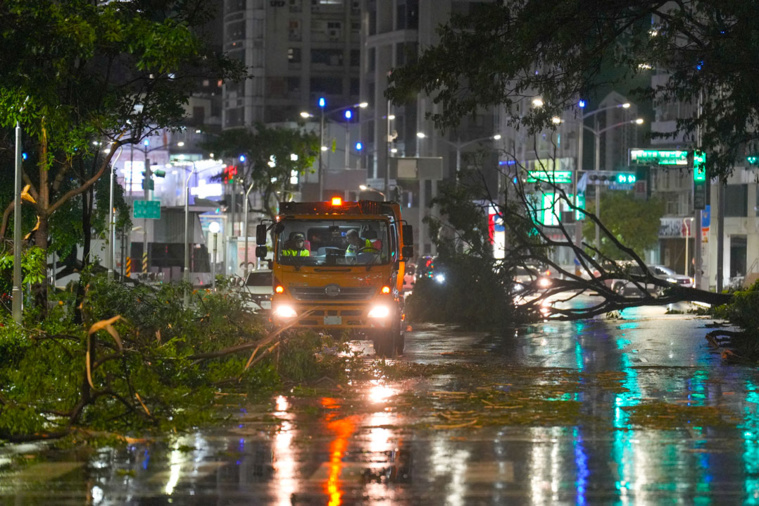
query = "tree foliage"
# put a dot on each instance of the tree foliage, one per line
(633, 222)
(142, 361)
(503, 52)
(78, 71)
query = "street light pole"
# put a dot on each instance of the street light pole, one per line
(17, 303)
(458, 146)
(111, 252)
(245, 220)
(322, 106)
(186, 273)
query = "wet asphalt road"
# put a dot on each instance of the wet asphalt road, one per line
(637, 410)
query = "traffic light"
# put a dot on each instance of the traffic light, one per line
(699, 180)
(753, 159)
(607, 177)
(147, 178)
(229, 175)
(699, 166)
(626, 178)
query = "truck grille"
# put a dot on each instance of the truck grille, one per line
(324, 294)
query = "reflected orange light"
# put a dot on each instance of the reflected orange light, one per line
(343, 429)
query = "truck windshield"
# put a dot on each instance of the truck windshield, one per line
(333, 242)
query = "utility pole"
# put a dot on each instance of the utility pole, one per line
(146, 191)
(17, 303)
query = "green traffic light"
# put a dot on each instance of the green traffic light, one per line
(625, 178)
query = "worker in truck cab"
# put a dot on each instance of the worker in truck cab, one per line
(296, 246)
(357, 244)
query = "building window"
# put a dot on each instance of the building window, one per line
(371, 61)
(736, 200)
(293, 55)
(296, 5)
(235, 31)
(294, 30)
(327, 85)
(293, 85)
(234, 6)
(355, 87)
(355, 57)
(329, 57)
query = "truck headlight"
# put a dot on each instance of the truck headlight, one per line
(379, 312)
(284, 311)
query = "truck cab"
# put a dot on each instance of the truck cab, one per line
(339, 266)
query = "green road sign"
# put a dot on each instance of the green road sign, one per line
(147, 209)
(551, 176)
(659, 157)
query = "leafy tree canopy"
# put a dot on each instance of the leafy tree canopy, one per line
(634, 223)
(503, 52)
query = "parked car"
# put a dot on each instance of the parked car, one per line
(671, 276)
(626, 287)
(531, 278)
(258, 290)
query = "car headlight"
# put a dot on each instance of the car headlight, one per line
(440, 278)
(379, 312)
(544, 282)
(284, 311)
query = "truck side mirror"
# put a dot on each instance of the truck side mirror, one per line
(260, 234)
(407, 252)
(261, 251)
(408, 236)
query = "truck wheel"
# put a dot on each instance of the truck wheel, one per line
(389, 343)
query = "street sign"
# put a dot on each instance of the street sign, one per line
(614, 179)
(551, 176)
(147, 209)
(658, 157)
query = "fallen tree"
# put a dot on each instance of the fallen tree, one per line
(141, 362)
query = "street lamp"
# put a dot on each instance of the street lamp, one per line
(186, 271)
(597, 166)
(322, 103)
(556, 121)
(366, 188)
(214, 228)
(458, 146)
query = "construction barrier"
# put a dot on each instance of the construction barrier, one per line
(128, 269)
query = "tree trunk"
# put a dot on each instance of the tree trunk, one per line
(41, 234)
(87, 199)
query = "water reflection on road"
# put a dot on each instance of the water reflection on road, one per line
(659, 419)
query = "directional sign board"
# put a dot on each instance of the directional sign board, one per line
(658, 157)
(147, 209)
(551, 176)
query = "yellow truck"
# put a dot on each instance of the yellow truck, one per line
(339, 266)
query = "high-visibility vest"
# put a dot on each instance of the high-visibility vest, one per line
(296, 253)
(366, 248)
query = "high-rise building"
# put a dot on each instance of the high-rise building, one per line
(296, 52)
(394, 31)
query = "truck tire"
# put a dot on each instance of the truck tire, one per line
(390, 342)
